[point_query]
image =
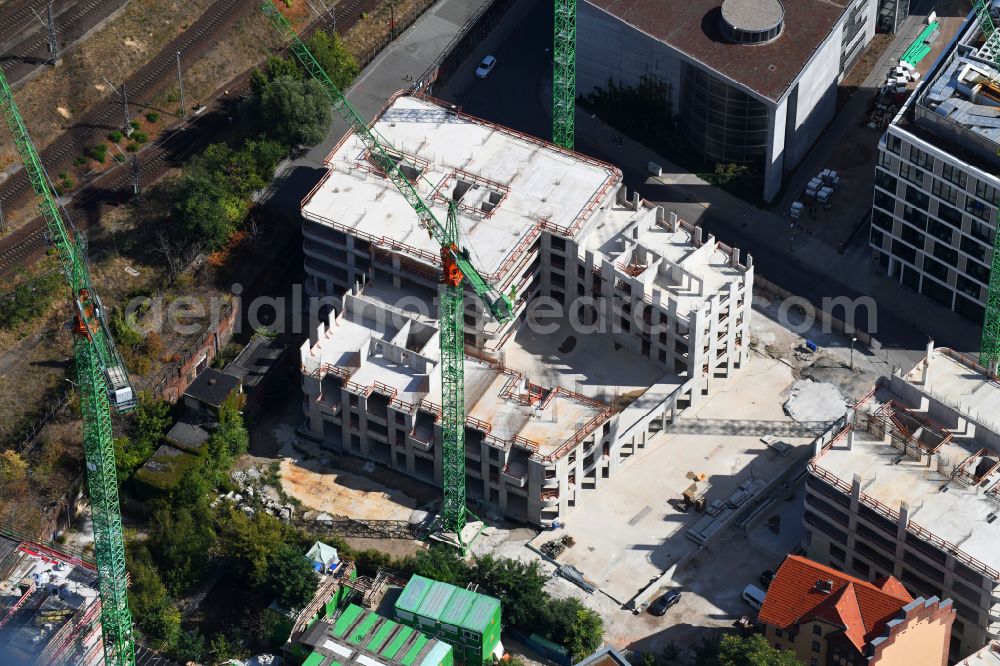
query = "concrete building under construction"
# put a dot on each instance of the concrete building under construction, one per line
(625, 314)
(49, 607)
(910, 488)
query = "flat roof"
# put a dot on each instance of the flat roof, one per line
(958, 382)
(692, 27)
(363, 638)
(507, 182)
(958, 515)
(447, 603)
(706, 269)
(520, 402)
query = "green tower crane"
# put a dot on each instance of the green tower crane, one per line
(457, 271)
(989, 349)
(564, 74)
(103, 384)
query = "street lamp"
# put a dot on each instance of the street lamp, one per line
(853, 340)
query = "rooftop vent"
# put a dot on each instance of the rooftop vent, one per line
(752, 21)
(824, 585)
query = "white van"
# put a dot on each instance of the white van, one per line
(754, 596)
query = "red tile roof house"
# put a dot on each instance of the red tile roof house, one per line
(831, 618)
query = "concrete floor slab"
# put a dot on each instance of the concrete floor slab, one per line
(628, 532)
(590, 364)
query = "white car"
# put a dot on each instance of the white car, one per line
(486, 66)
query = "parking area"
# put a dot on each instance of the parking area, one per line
(712, 581)
(631, 530)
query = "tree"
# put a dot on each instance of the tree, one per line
(519, 586)
(443, 564)
(585, 635)
(209, 211)
(154, 612)
(292, 580)
(296, 112)
(732, 650)
(251, 543)
(190, 646)
(13, 473)
(330, 53)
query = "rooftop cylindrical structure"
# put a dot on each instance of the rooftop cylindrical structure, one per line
(752, 21)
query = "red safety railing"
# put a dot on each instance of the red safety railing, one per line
(384, 389)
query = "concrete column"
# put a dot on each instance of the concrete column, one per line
(774, 159)
(926, 372)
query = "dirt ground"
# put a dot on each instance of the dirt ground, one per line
(52, 100)
(393, 547)
(343, 494)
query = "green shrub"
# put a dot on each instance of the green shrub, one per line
(132, 146)
(135, 124)
(139, 137)
(80, 160)
(153, 117)
(98, 153)
(115, 136)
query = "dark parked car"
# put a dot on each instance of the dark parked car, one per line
(660, 606)
(766, 577)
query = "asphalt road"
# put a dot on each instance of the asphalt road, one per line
(517, 94)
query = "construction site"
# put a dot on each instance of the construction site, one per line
(50, 606)
(519, 356)
(646, 314)
(909, 486)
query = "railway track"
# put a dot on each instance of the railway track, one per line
(106, 115)
(31, 241)
(15, 15)
(72, 18)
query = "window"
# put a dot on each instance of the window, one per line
(987, 193)
(813, 661)
(973, 248)
(885, 180)
(884, 160)
(936, 268)
(954, 175)
(837, 552)
(911, 236)
(885, 201)
(816, 646)
(977, 271)
(946, 192)
(921, 159)
(911, 173)
(945, 253)
(817, 630)
(779, 633)
(917, 218)
(977, 208)
(916, 197)
(949, 214)
(861, 567)
(893, 143)
(940, 230)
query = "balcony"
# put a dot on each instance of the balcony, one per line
(550, 498)
(516, 474)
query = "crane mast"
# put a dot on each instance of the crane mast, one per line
(457, 271)
(564, 74)
(103, 383)
(989, 350)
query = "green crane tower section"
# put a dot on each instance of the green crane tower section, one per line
(457, 271)
(564, 74)
(989, 350)
(103, 383)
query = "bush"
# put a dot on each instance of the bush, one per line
(28, 300)
(97, 153)
(134, 124)
(139, 137)
(115, 136)
(132, 146)
(153, 117)
(80, 160)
